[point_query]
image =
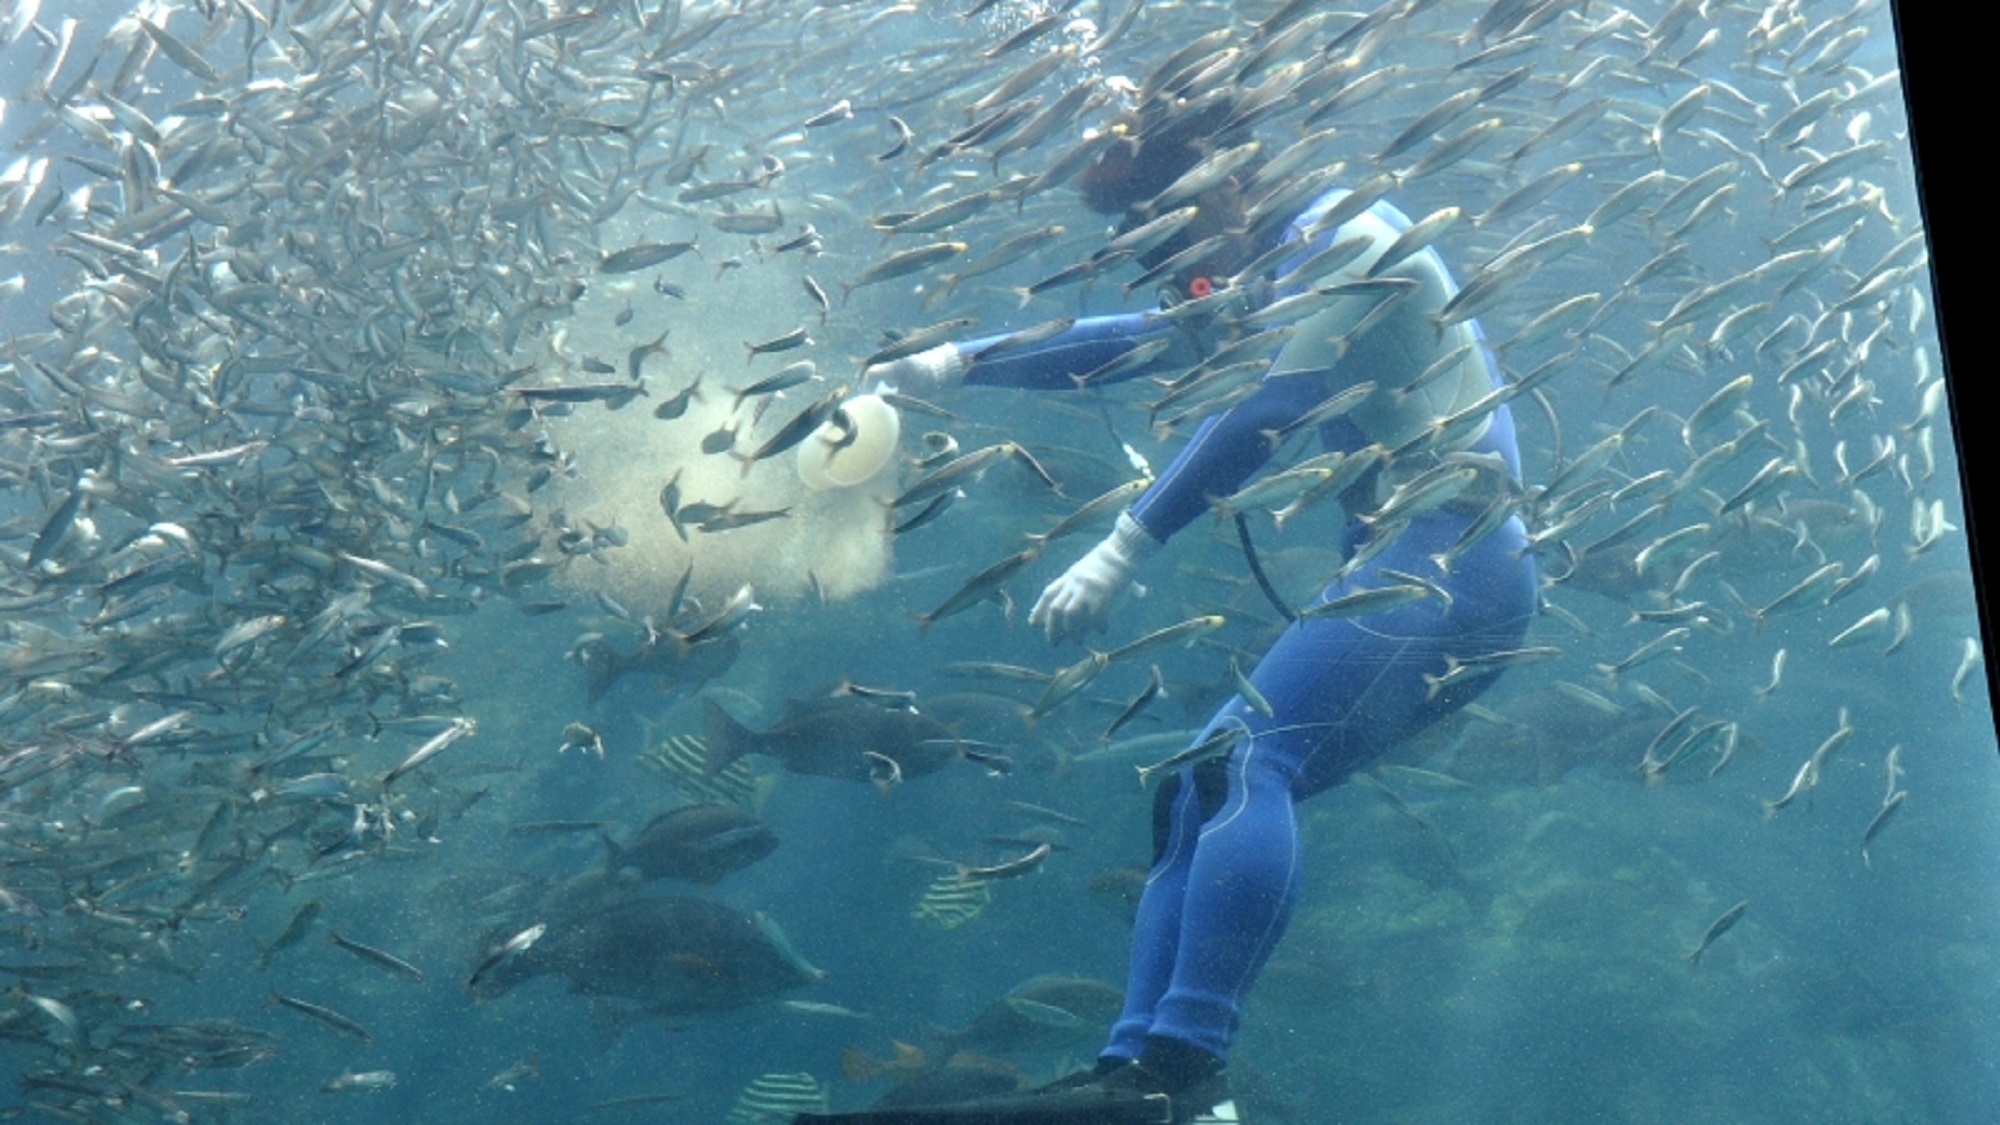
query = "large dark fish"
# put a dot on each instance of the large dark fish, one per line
(699, 843)
(843, 736)
(604, 665)
(1042, 1013)
(672, 956)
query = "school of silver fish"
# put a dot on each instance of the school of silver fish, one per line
(285, 326)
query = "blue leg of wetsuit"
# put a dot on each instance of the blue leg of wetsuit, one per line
(1344, 691)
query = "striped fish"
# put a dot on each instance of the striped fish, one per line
(683, 758)
(772, 1099)
(953, 900)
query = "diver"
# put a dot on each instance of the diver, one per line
(1438, 504)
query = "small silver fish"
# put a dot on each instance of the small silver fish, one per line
(1716, 929)
(1220, 742)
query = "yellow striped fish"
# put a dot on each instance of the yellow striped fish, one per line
(684, 759)
(953, 900)
(773, 1099)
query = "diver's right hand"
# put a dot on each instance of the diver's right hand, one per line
(1078, 601)
(922, 373)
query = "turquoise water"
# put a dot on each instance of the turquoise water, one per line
(1496, 929)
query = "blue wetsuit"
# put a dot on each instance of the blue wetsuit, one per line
(1225, 875)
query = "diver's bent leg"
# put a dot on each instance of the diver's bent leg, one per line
(1241, 888)
(1344, 692)
(1177, 817)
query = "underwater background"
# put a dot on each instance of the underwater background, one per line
(277, 518)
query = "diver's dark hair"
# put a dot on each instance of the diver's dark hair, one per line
(1160, 141)
(1157, 145)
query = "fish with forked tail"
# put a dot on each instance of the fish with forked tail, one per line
(700, 843)
(841, 736)
(671, 956)
(604, 665)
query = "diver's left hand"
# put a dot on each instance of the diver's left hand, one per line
(1080, 600)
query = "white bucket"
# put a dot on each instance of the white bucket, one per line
(832, 457)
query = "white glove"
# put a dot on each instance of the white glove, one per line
(922, 373)
(1076, 602)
